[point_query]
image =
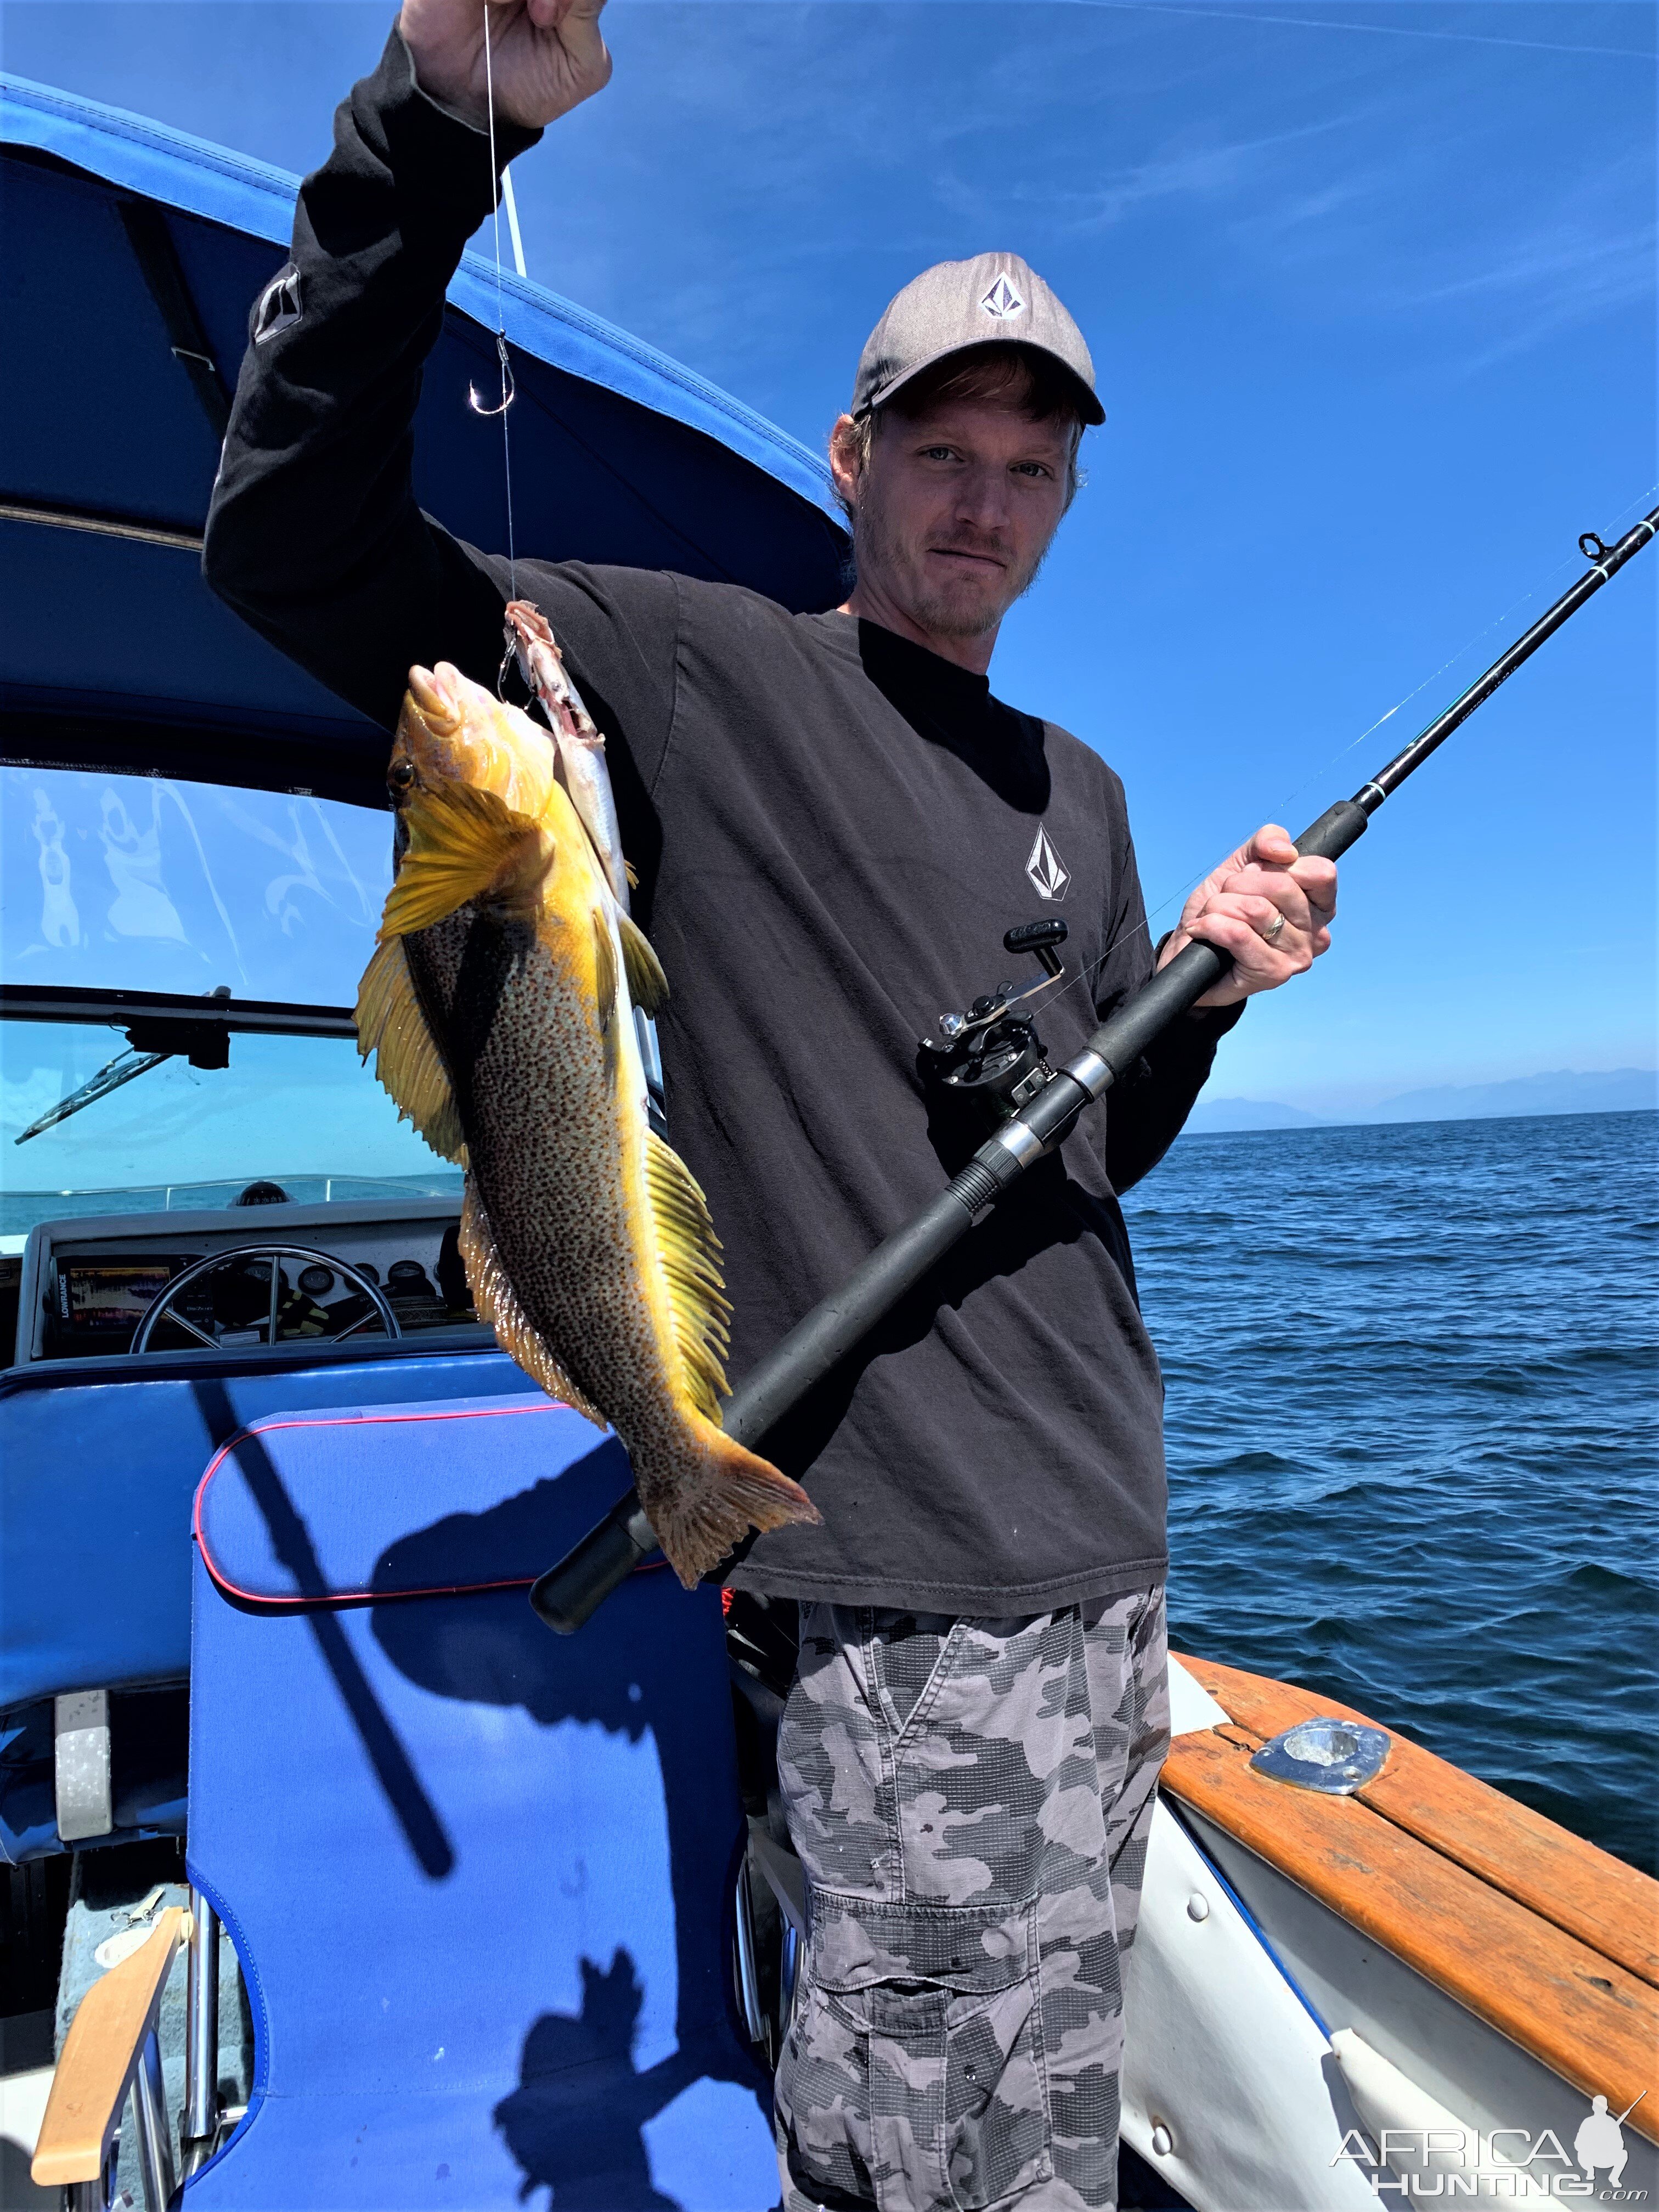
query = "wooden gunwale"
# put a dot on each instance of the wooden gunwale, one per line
(1532, 1929)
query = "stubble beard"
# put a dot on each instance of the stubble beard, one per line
(880, 552)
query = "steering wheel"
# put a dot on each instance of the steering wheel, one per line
(159, 1308)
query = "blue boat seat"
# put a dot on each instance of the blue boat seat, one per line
(479, 1878)
(97, 1471)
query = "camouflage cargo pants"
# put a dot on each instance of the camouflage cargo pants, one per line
(971, 1801)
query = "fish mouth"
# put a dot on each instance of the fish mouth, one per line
(439, 710)
(431, 733)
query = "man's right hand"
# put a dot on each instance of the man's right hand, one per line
(545, 55)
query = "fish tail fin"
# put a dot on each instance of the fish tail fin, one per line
(732, 1490)
(526, 620)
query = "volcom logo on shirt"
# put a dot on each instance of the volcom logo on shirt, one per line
(1045, 869)
(1002, 301)
(277, 307)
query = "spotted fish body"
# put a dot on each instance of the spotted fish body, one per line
(498, 1007)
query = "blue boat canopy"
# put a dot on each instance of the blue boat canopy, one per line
(129, 255)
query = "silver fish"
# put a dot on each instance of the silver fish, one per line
(582, 769)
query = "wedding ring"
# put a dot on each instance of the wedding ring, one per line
(1274, 930)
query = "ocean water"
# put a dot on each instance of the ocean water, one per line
(1413, 1432)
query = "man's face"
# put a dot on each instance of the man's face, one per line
(955, 510)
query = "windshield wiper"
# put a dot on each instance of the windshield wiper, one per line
(162, 1026)
(110, 1077)
(205, 1044)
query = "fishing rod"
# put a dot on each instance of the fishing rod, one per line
(569, 1593)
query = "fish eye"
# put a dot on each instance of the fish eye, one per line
(400, 774)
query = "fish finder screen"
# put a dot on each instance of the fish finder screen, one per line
(110, 1294)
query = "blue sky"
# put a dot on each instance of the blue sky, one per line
(1371, 294)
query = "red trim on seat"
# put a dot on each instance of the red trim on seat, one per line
(351, 1597)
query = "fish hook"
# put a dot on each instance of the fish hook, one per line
(509, 388)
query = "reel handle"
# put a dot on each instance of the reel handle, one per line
(1041, 938)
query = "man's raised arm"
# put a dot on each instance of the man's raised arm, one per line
(314, 535)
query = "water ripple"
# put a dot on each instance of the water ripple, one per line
(1414, 1429)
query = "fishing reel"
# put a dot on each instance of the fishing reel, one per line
(986, 1064)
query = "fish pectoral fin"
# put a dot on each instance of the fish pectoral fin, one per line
(688, 1251)
(499, 1306)
(391, 1025)
(632, 874)
(462, 842)
(647, 986)
(604, 971)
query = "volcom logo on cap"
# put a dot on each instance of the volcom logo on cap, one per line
(1047, 872)
(1002, 301)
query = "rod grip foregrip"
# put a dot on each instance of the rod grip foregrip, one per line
(1120, 1040)
(569, 1594)
(1337, 828)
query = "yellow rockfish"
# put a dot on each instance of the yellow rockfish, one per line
(499, 1009)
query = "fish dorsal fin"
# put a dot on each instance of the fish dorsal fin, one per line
(462, 842)
(498, 1306)
(392, 1026)
(688, 1249)
(647, 986)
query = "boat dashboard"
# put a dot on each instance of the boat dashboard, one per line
(242, 1281)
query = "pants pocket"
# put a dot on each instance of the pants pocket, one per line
(917, 2055)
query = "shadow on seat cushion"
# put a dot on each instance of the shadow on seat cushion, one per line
(479, 1877)
(96, 1479)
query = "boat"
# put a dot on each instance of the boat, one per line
(333, 1879)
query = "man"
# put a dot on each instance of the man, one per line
(836, 822)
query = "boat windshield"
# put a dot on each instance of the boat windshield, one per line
(136, 883)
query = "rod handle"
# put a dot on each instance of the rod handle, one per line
(569, 1594)
(1337, 828)
(1120, 1040)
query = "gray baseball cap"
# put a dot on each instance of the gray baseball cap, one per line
(995, 298)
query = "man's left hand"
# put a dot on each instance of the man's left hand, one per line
(1269, 908)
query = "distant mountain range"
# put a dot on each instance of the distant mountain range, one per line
(1616, 1090)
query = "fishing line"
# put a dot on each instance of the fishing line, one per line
(1087, 975)
(1631, 507)
(509, 390)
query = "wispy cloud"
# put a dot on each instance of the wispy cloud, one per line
(1551, 282)
(1310, 23)
(840, 144)
(1580, 272)
(1191, 167)
(1560, 264)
